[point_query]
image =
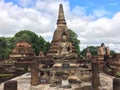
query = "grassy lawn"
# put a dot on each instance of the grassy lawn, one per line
(6, 75)
(118, 73)
(109, 70)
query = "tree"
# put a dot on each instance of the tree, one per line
(93, 51)
(112, 52)
(28, 36)
(46, 47)
(38, 43)
(43, 45)
(11, 41)
(74, 39)
(4, 49)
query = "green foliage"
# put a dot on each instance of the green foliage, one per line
(118, 73)
(4, 49)
(75, 41)
(28, 36)
(93, 51)
(6, 75)
(42, 45)
(38, 43)
(112, 52)
(46, 47)
(11, 41)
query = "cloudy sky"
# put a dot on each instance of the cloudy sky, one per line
(95, 21)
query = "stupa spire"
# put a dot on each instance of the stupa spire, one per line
(61, 34)
(61, 18)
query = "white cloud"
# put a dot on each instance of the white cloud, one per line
(100, 13)
(42, 16)
(94, 32)
(26, 3)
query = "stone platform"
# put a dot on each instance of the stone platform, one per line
(25, 80)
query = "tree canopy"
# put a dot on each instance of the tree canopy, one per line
(38, 43)
(4, 48)
(93, 51)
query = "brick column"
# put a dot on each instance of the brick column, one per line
(34, 74)
(95, 74)
(10, 85)
(116, 84)
(101, 62)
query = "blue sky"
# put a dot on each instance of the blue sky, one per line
(95, 21)
(111, 6)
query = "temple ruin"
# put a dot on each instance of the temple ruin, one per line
(62, 66)
(61, 36)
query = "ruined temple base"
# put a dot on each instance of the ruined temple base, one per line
(24, 84)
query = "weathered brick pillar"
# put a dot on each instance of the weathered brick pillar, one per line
(118, 62)
(95, 74)
(34, 74)
(116, 84)
(10, 85)
(101, 62)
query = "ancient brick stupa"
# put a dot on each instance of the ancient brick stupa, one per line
(61, 65)
(22, 49)
(60, 34)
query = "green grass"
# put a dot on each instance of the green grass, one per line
(6, 75)
(118, 73)
(109, 70)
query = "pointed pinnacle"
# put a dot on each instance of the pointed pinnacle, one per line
(61, 18)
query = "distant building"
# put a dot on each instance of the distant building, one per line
(22, 54)
(22, 49)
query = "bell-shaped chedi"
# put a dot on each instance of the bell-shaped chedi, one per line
(61, 44)
(61, 26)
